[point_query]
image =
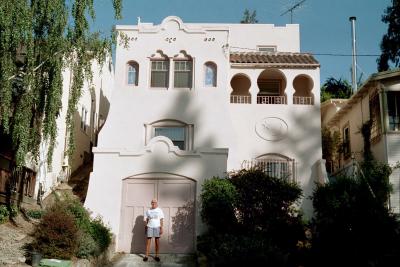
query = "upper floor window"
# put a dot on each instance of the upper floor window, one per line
(394, 110)
(180, 133)
(183, 73)
(210, 74)
(159, 73)
(133, 73)
(175, 134)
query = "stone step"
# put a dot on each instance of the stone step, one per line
(167, 260)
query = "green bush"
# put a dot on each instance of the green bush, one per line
(218, 202)
(4, 213)
(35, 214)
(57, 235)
(101, 234)
(91, 236)
(87, 246)
(251, 220)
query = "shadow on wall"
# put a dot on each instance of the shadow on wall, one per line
(138, 244)
(181, 233)
(183, 226)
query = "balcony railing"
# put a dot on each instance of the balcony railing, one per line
(303, 100)
(274, 100)
(240, 99)
(278, 168)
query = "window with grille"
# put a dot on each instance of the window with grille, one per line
(183, 74)
(393, 99)
(159, 73)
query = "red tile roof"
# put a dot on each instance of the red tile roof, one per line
(277, 59)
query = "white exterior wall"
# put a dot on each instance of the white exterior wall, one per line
(102, 84)
(218, 125)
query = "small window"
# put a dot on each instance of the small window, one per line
(176, 134)
(84, 120)
(266, 48)
(346, 141)
(183, 74)
(159, 73)
(394, 110)
(133, 73)
(210, 74)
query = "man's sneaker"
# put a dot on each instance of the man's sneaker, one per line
(157, 258)
(145, 259)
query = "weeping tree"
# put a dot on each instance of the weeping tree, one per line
(38, 39)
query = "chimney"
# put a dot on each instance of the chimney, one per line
(354, 54)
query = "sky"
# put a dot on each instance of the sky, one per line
(324, 24)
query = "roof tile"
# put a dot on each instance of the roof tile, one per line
(277, 59)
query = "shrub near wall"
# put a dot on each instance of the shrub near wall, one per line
(251, 220)
(83, 237)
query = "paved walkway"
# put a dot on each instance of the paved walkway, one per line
(167, 260)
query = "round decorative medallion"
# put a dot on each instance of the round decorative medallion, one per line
(272, 129)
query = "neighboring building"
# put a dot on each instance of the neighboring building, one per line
(377, 100)
(91, 113)
(193, 101)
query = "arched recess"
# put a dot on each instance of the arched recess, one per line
(210, 74)
(277, 165)
(271, 84)
(303, 85)
(132, 73)
(176, 197)
(240, 84)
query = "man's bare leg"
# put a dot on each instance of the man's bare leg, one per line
(157, 241)
(148, 243)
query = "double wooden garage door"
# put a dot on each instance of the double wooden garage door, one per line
(176, 199)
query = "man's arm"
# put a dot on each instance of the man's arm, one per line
(161, 225)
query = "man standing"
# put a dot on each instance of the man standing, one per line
(154, 219)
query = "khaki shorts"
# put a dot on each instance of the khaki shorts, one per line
(153, 232)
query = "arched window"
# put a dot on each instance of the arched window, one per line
(133, 73)
(180, 133)
(210, 74)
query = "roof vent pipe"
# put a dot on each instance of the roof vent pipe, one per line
(354, 54)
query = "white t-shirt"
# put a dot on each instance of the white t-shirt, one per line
(154, 216)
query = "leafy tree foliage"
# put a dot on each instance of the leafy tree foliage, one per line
(390, 44)
(249, 17)
(251, 220)
(334, 88)
(38, 39)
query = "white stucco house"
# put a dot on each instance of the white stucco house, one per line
(195, 100)
(378, 100)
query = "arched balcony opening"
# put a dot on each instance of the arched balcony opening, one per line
(240, 84)
(272, 85)
(303, 86)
